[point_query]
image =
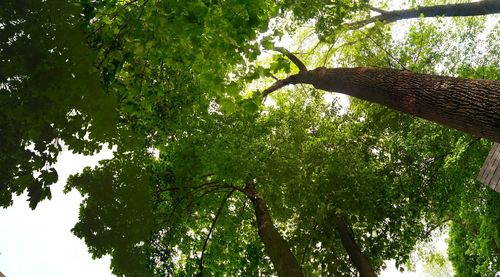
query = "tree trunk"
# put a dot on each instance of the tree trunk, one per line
(356, 256)
(276, 247)
(449, 10)
(469, 105)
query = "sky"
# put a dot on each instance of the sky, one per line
(39, 243)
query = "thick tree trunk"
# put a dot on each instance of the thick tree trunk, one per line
(469, 105)
(462, 9)
(358, 259)
(276, 247)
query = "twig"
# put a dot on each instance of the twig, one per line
(387, 52)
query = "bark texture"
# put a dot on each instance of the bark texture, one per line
(469, 105)
(449, 10)
(276, 247)
(358, 259)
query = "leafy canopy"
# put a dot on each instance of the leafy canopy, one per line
(182, 79)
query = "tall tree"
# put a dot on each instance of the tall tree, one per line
(483, 7)
(464, 104)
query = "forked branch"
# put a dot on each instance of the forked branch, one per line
(292, 57)
(289, 80)
(279, 84)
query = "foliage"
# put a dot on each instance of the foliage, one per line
(49, 94)
(474, 235)
(116, 215)
(182, 79)
(474, 245)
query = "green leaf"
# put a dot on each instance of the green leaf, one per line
(250, 106)
(227, 105)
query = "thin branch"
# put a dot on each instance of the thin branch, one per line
(308, 245)
(194, 188)
(290, 79)
(207, 175)
(200, 265)
(438, 225)
(229, 186)
(387, 52)
(415, 61)
(375, 9)
(302, 67)
(327, 55)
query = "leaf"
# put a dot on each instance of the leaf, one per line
(227, 105)
(267, 43)
(35, 194)
(250, 106)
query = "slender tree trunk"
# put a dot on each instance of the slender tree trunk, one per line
(469, 105)
(358, 259)
(276, 247)
(449, 10)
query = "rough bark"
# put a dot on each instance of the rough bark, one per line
(469, 105)
(448, 10)
(275, 246)
(358, 259)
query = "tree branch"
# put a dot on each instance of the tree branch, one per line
(279, 84)
(308, 245)
(356, 255)
(200, 265)
(302, 67)
(375, 9)
(194, 188)
(290, 79)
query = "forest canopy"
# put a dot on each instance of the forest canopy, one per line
(233, 155)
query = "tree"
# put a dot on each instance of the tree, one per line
(474, 235)
(356, 256)
(436, 98)
(463, 104)
(453, 10)
(332, 18)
